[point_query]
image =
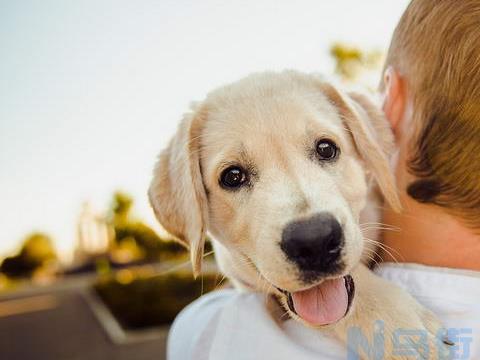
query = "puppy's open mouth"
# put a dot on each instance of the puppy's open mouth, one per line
(325, 303)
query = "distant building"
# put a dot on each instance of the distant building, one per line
(94, 235)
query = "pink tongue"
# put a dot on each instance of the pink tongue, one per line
(323, 304)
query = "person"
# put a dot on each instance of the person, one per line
(431, 97)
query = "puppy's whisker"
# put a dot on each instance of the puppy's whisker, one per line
(378, 228)
(384, 248)
(373, 259)
(379, 243)
(285, 314)
(378, 224)
(375, 223)
(220, 283)
(180, 266)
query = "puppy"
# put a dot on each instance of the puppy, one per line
(278, 168)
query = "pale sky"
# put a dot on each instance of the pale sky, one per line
(90, 91)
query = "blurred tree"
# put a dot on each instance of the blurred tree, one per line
(121, 206)
(37, 250)
(5, 282)
(351, 63)
(131, 233)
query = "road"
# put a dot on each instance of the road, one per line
(58, 323)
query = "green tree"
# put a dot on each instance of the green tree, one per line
(121, 207)
(37, 250)
(351, 62)
(130, 230)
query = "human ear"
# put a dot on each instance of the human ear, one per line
(394, 101)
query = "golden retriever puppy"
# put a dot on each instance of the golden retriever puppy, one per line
(278, 168)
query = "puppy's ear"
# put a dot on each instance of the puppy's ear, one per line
(372, 136)
(177, 193)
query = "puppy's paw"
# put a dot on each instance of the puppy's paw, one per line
(414, 332)
(386, 322)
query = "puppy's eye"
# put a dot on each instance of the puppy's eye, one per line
(233, 177)
(327, 150)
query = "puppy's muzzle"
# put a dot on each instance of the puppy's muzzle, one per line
(314, 245)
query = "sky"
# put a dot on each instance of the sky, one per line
(91, 91)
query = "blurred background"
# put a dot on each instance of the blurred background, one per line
(90, 92)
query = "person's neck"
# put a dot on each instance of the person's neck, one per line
(426, 234)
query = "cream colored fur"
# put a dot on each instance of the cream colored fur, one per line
(269, 122)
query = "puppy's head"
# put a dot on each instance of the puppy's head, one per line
(276, 167)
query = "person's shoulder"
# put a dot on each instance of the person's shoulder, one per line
(196, 323)
(208, 303)
(204, 308)
(435, 283)
(243, 325)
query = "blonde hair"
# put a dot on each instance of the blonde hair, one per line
(436, 49)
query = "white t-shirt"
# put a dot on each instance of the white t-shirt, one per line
(231, 325)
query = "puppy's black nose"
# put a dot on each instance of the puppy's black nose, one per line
(315, 244)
